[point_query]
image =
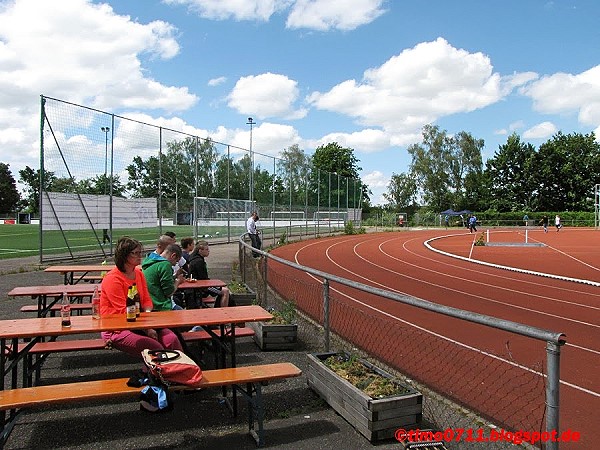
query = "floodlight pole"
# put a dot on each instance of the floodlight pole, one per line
(105, 130)
(251, 187)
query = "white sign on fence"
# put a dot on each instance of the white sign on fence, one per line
(84, 211)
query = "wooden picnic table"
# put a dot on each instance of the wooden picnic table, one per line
(34, 329)
(55, 292)
(43, 293)
(201, 284)
(37, 329)
(70, 270)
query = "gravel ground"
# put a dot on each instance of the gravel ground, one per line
(296, 418)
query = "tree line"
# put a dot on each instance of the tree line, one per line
(193, 168)
(446, 171)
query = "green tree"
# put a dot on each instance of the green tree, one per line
(144, 177)
(330, 162)
(448, 170)
(263, 186)
(431, 168)
(466, 168)
(566, 169)
(9, 195)
(293, 170)
(402, 192)
(31, 180)
(100, 185)
(509, 176)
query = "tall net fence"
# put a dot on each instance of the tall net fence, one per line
(493, 385)
(97, 158)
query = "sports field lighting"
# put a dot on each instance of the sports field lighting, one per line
(105, 130)
(251, 187)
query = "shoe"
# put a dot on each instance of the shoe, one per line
(196, 328)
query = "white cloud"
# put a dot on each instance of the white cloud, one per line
(266, 95)
(564, 93)
(217, 81)
(324, 15)
(540, 131)
(320, 15)
(267, 139)
(417, 87)
(377, 183)
(81, 52)
(517, 125)
(368, 140)
(259, 10)
(376, 179)
(512, 127)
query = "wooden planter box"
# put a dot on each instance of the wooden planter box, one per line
(376, 419)
(242, 298)
(270, 336)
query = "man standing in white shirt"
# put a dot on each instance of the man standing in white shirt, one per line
(253, 232)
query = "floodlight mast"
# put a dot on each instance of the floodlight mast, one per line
(251, 187)
(105, 130)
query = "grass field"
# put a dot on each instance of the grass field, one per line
(18, 241)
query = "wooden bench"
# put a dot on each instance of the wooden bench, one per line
(247, 380)
(87, 306)
(43, 349)
(91, 278)
(75, 307)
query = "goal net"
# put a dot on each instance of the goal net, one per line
(287, 215)
(208, 209)
(331, 216)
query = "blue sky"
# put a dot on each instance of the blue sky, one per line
(368, 74)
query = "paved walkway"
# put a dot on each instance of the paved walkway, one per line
(296, 418)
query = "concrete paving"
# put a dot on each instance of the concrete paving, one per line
(296, 418)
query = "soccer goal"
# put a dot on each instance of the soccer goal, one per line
(287, 215)
(208, 209)
(331, 216)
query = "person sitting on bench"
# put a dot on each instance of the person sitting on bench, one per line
(199, 271)
(158, 271)
(113, 300)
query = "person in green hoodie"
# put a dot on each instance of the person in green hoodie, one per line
(158, 271)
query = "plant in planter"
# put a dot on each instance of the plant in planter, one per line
(240, 294)
(370, 399)
(279, 334)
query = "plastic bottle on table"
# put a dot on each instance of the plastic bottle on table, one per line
(96, 304)
(65, 311)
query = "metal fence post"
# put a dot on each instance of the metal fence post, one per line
(243, 263)
(552, 391)
(264, 261)
(326, 312)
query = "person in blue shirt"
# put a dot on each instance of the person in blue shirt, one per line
(472, 223)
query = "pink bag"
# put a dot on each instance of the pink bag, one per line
(172, 367)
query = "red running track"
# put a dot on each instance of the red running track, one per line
(401, 262)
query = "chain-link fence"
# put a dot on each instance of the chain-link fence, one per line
(105, 165)
(465, 387)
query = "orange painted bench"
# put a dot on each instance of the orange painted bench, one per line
(248, 380)
(75, 307)
(74, 345)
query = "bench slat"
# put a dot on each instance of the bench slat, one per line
(191, 336)
(67, 346)
(117, 387)
(74, 345)
(56, 307)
